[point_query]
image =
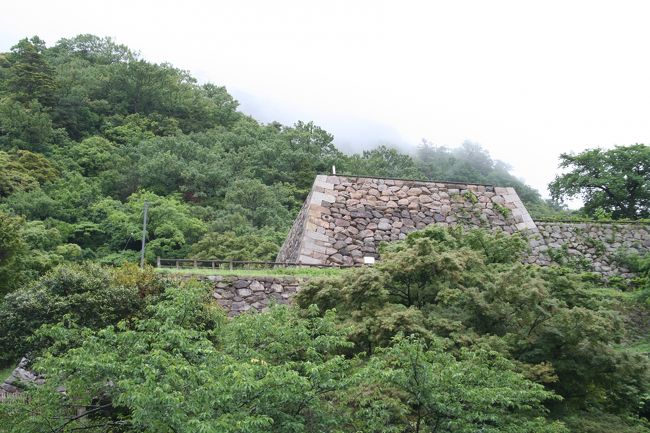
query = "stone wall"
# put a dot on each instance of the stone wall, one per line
(345, 218)
(19, 378)
(594, 246)
(238, 294)
(291, 247)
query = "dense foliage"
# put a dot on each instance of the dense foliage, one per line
(449, 332)
(88, 295)
(89, 131)
(182, 367)
(471, 289)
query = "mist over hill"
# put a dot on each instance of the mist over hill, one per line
(90, 130)
(448, 332)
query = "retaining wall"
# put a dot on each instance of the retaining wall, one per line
(292, 245)
(345, 218)
(238, 294)
(594, 246)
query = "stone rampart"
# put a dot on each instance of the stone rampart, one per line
(345, 218)
(289, 252)
(594, 246)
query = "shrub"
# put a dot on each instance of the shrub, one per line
(87, 294)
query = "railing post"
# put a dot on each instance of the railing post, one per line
(177, 267)
(212, 262)
(231, 265)
(195, 264)
(158, 261)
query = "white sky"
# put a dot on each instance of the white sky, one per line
(526, 79)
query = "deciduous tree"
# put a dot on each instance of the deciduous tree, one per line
(614, 181)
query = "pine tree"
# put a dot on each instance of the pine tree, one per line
(30, 77)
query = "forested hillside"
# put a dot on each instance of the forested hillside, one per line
(449, 332)
(89, 131)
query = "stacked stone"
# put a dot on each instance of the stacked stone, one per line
(598, 243)
(241, 294)
(350, 216)
(19, 378)
(291, 247)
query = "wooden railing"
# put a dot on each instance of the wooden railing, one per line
(235, 264)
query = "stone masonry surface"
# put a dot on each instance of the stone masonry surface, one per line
(596, 244)
(345, 218)
(292, 244)
(238, 295)
(20, 377)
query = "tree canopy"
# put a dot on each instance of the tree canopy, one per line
(448, 333)
(614, 181)
(470, 288)
(181, 366)
(88, 129)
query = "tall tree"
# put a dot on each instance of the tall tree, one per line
(616, 181)
(30, 77)
(382, 161)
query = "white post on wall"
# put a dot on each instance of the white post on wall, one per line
(333, 170)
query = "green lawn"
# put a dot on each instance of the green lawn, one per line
(294, 272)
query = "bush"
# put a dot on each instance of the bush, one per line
(87, 294)
(183, 367)
(470, 288)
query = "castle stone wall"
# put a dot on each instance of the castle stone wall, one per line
(347, 217)
(292, 244)
(594, 246)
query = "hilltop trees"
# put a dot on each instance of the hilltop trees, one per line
(30, 77)
(383, 161)
(87, 125)
(615, 181)
(470, 163)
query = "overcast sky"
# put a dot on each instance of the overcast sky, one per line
(527, 80)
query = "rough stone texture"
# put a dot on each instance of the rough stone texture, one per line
(345, 218)
(18, 379)
(595, 244)
(238, 295)
(292, 243)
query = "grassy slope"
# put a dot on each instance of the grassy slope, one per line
(279, 272)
